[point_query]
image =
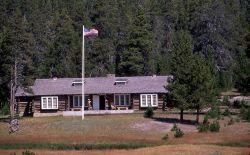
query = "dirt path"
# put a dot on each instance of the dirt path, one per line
(160, 150)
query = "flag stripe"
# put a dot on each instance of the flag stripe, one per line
(90, 32)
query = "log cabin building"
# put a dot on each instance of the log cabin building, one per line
(101, 93)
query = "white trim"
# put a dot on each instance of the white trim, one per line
(46, 98)
(129, 103)
(151, 100)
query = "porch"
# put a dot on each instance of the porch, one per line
(97, 112)
(97, 102)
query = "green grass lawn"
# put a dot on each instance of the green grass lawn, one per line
(93, 129)
(116, 132)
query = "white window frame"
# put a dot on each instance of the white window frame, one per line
(47, 98)
(129, 103)
(151, 99)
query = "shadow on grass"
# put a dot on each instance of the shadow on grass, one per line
(5, 119)
(174, 120)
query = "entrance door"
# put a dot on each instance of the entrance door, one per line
(96, 102)
(102, 102)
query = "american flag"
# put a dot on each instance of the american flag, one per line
(90, 32)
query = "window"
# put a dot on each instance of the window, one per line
(121, 81)
(149, 100)
(77, 101)
(77, 83)
(122, 99)
(50, 102)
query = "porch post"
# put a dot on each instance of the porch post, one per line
(68, 103)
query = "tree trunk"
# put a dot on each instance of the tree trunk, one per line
(11, 95)
(181, 115)
(198, 115)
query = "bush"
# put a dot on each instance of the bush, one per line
(165, 137)
(149, 112)
(174, 128)
(5, 109)
(226, 112)
(245, 113)
(214, 127)
(178, 133)
(226, 101)
(203, 127)
(231, 121)
(214, 112)
(205, 120)
(27, 152)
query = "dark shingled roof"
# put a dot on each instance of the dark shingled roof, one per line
(101, 85)
(24, 91)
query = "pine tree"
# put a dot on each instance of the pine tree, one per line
(181, 67)
(136, 57)
(192, 85)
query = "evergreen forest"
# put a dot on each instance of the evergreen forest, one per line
(206, 39)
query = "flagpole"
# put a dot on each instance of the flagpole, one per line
(83, 96)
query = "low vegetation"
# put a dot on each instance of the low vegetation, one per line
(214, 127)
(174, 128)
(225, 101)
(5, 110)
(120, 132)
(226, 112)
(87, 146)
(177, 131)
(231, 121)
(245, 113)
(206, 126)
(214, 112)
(165, 137)
(149, 113)
(203, 127)
(27, 152)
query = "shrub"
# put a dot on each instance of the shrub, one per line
(214, 127)
(5, 109)
(174, 128)
(203, 127)
(149, 113)
(226, 112)
(178, 133)
(27, 152)
(245, 113)
(225, 101)
(165, 137)
(214, 112)
(231, 121)
(205, 120)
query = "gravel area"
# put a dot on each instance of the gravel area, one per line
(163, 127)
